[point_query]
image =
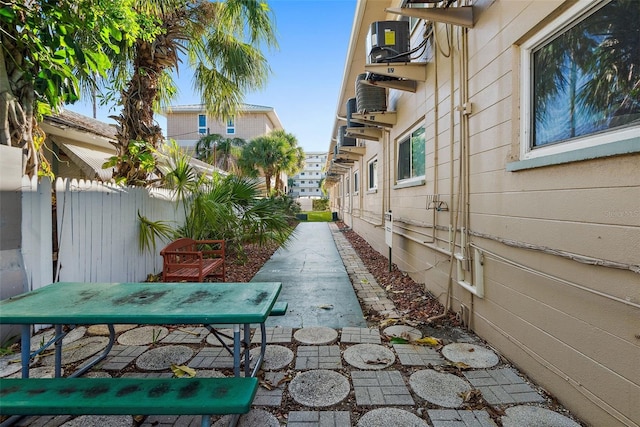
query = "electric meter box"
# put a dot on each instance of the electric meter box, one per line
(388, 41)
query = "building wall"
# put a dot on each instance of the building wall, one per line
(183, 126)
(559, 243)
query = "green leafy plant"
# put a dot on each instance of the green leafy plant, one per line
(150, 230)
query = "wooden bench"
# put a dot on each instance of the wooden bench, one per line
(127, 396)
(189, 260)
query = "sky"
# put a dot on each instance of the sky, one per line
(304, 85)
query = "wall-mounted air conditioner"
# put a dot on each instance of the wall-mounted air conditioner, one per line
(388, 41)
(343, 139)
(352, 107)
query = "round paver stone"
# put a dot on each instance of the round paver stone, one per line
(104, 329)
(470, 354)
(254, 418)
(369, 356)
(385, 417)
(10, 364)
(533, 416)
(100, 421)
(275, 357)
(318, 388)
(158, 359)
(44, 337)
(439, 388)
(214, 341)
(39, 372)
(97, 374)
(78, 350)
(319, 335)
(143, 335)
(403, 331)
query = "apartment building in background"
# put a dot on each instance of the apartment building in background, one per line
(307, 182)
(188, 123)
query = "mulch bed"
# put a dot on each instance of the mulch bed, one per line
(410, 298)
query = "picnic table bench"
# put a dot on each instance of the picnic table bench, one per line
(192, 260)
(117, 396)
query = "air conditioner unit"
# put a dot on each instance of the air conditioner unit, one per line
(352, 107)
(343, 139)
(388, 41)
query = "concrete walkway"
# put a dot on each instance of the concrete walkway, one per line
(323, 366)
(314, 280)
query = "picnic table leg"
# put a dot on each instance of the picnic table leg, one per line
(205, 421)
(58, 353)
(236, 350)
(263, 349)
(101, 356)
(247, 343)
(25, 349)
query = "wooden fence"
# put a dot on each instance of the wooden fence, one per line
(96, 233)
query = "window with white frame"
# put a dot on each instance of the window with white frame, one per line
(411, 155)
(202, 124)
(356, 182)
(373, 174)
(231, 126)
(581, 79)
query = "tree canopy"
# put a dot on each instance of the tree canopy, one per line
(48, 49)
(219, 39)
(271, 155)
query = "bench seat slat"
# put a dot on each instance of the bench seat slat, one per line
(279, 308)
(126, 396)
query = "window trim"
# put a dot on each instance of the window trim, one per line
(599, 144)
(372, 176)
(202, 130)
(356, 182)
(231, 126)
(414, 180)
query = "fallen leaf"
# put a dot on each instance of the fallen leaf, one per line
(183, 370)
(398, 340)
(326, 306)
(388, 322)
(433, 342)
(267, 385)
(460, 365)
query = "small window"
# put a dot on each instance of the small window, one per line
(411, 156)
(580, 79)
(202, 124)
(231, 127)
(347, 186)
(356, 182)
(373, 174)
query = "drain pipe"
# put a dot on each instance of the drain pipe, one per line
(453, 216)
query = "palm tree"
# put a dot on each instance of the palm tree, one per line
(260, 157)
(614, 65)
(221, 207)
(292, 156)
(592, 71)
(219, 39)
(220, 151)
